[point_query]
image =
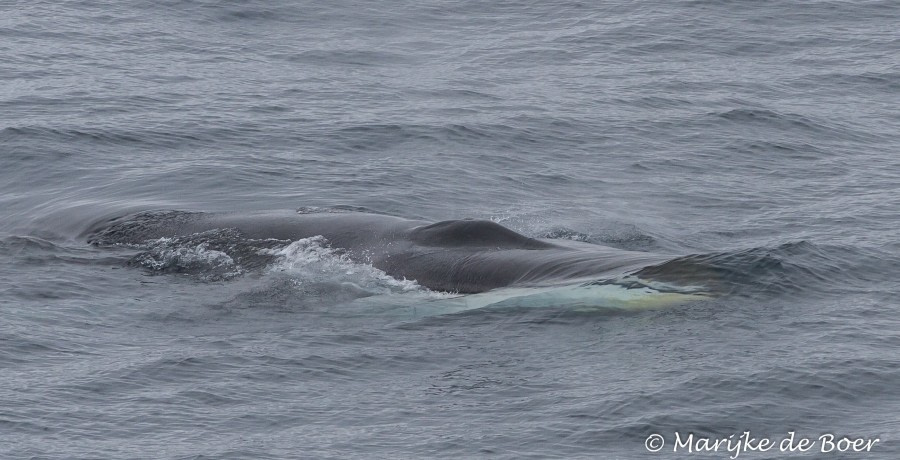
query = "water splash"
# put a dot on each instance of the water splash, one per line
(166, 255)
(310, 261)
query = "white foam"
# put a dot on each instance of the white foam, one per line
(165, 254)
(312, 260)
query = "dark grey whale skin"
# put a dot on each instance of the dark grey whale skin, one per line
(465, 256)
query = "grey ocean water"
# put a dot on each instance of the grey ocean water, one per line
(762, 136)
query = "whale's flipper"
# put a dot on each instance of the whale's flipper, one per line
(604, 295)
(600, 297)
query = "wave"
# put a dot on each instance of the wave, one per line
(620, 236)
(525, 134)
(67, 135)
(789, 269)
(132, 138)
(772, 118)
(32, 250)
(351, 57)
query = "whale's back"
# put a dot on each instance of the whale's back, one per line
(471, 232)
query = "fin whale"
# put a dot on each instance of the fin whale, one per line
(464, 256)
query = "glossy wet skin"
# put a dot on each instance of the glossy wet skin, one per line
(465, 256)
